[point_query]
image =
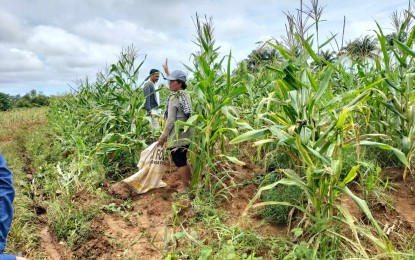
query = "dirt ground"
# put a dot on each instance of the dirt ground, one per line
(142, 232)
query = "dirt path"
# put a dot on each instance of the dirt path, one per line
(49, 245)
(139, 233)
(405, 201)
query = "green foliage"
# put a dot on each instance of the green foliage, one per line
(5, 101)
(214, 112)
(218, 240)
(105, 118)
(300, 251)
(361, 49)
(385, 158)
(279, 214)
(264, 55)
(68, 222)
(32, 99)
(322, 126)
(317, 127)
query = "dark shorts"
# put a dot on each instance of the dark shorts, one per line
(179, 155)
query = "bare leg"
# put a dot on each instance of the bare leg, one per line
(186, 175)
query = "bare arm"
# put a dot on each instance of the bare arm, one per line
(166, 68)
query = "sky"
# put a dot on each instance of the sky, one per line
(49, 45)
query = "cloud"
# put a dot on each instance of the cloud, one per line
(64, 40)
(49, 40)
(24, 60)
(118, 32)
(11, 29)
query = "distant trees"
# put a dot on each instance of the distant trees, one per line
(31, 99)
(359, 50)
(5, 102)
(260, 57)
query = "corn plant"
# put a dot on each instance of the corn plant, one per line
(106, 118)
(317, 148)
(214, 114)
(398, 91)
(316, 127)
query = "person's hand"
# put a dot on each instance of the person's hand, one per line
(161, 141)
(166, 68)
(151, 114)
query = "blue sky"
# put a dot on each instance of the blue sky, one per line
(50, 45)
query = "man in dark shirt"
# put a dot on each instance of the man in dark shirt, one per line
(151, 104)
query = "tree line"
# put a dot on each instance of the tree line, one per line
(31, 99)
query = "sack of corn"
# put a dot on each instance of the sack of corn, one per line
(152, 165)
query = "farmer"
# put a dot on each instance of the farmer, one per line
(178, 108)
(151, 104)
(6, 207)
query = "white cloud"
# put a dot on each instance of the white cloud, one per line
(11, 29)
(55, 41)
(61, 41)
(24, 60)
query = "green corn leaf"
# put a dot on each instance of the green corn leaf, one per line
(263, 141)
(401, 156)
(383, 46)
(233, 159)
(342, 118)
(323, 85)
(351, 175)
(323, 158)
(404, 48)
(304, 154)
(285, 54)
(364, 207)
(311, 52)
(254, 134)
(328, 41)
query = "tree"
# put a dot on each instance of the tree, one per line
(32, 99)
(361, 49)
(328, 56)
(260, 57)
(5, 102)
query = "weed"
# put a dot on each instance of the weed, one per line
(68, 222)
(280, 214)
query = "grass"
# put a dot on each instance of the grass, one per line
(69, 222)
(25, 230)
(280, 214)
(32, 156)
(209, 235)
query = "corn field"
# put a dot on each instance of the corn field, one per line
(328, 120)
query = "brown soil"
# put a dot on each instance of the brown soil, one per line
(142, 231)
(51, 247)
(138, 232)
